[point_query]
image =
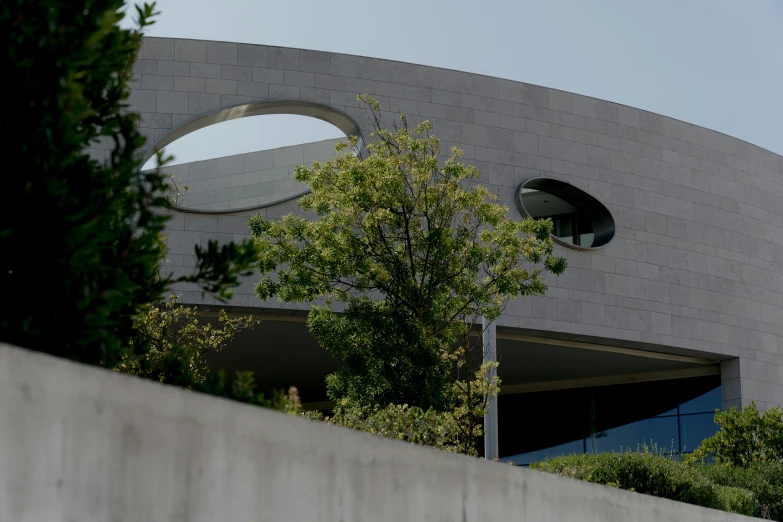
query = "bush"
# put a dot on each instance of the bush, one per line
(242, 388)
(745, 438)
(764, 480)
(747, 477)
(180, 341)
(402, 422)
(657, 475)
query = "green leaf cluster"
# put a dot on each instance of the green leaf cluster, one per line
(178, 342)
(386, 358)
(402, 223)
(81, 245)
(416, 251)
(755, 490)
(452, 429)
(745, 437)
(402, 422)
(763, 479)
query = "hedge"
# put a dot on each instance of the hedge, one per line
(756, 491)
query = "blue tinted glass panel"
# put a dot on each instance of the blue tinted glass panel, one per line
(696, 428)
(709, 402)
(667, 413)
(568, 448)
(661, 431)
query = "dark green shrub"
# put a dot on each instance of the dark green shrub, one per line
(242, 387)
(746, 437)
(657, 475)
(387, 358)
(402, 422)
(81, 249)
(764, 480)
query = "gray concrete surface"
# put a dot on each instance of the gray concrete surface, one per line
(695, 267)
(84, 444)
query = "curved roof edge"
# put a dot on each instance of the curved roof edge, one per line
(775, 163)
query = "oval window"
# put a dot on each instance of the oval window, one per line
(579, 220)
(246, 162)
(249, 134)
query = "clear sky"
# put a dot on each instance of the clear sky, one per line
(714, 63)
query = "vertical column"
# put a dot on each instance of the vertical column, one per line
(731, 384)
(751, 380)
(491, 416)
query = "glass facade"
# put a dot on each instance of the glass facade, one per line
(572, 228)
(601, 418)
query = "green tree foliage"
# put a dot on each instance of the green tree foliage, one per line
(386, 357)
(454, 429)
(80, 238)
(180, 341)
(745, 437)
(407, 240)
(401, 422)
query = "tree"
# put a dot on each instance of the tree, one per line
(417, 252)
(80, 237)
(745, 438)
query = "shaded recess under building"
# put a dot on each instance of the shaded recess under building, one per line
(558, 396)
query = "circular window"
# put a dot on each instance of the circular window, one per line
(580, 221)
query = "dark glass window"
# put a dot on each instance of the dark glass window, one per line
(572, 228)
(569, 448)
(709, 402)
(660, 432)
(578, 218)
(620, 418)
(695, 428)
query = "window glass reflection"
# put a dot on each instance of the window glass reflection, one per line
(696, 428)
(679, 430)
(568, 448)
(709, 402)
(568, 223)
(661, 431)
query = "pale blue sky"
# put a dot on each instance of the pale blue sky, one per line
(714, 63)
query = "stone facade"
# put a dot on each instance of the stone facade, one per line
(246, 180)
(695, 267)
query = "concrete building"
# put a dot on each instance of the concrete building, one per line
(672, 302)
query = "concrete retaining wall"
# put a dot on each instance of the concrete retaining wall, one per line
(84, 444)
